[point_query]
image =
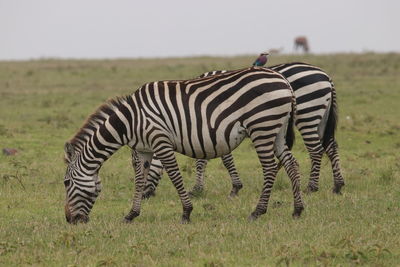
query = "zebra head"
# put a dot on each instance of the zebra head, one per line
(82, 186)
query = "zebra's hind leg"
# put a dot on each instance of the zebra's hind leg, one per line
(200, 172)
(264, 145)
(292, 169)
(227, 160)
(269, 172)
(153, 178)
(168, 160)
(316, 151)
(141, 162)
(332, 151)
(287, 160)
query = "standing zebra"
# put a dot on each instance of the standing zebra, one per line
(201, 118)
(316, 119)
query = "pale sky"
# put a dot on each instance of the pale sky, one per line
(31, 29)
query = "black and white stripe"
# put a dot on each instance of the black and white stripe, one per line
(201, 118)
(210, 73)
(316, 119)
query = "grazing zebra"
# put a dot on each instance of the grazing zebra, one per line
(201, 118)
(316, 119)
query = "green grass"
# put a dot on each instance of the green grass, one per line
(43, 103)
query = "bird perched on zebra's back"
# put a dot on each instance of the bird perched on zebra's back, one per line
(261, 60)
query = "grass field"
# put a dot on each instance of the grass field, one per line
(44, 102)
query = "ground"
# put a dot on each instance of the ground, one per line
(44, 102)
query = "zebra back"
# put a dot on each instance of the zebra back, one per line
(290, 135)
(210, 73)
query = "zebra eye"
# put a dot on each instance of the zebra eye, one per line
(66, 183)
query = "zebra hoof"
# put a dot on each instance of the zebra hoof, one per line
(257, 213)
(233, 194)
(185, 220)
(131, 215)
(252, 217)
(337, 189)
(297, 212)
(187, 210)
(196, 192)
(127, 220)
(311, 189)
(148, 194)
(235, 190)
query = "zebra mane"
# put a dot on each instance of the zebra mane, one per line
(211, 73)
(94, 121)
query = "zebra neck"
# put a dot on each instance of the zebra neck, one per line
(102, 143)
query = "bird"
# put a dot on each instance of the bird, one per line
(261, 60)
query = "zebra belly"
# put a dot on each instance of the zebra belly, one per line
(214, 145)
(236, 136)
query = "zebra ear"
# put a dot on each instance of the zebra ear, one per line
(69, 152)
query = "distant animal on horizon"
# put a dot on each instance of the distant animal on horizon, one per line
(301, 42)
(261, 60)
(275, 50)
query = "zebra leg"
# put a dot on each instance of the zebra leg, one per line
(316, 151)
(269, 171)
(141, 162)
(292, 169)
(200, 171)
(332, 151)
(168, 160)
(287, 160)
(153, 179)
(135, 160)
(227, 160)
(264, 145)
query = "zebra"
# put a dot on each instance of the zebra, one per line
(200, 118)
(316, 120)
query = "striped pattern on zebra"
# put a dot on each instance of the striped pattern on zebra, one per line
(210, 73)
(316, 119)
(201, 118)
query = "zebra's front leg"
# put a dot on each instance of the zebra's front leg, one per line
(333, 154)
(168, 160)
(200, 172)
(227, 160)
(141, 162)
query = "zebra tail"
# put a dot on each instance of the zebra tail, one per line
(290, 136)
(331, 124)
